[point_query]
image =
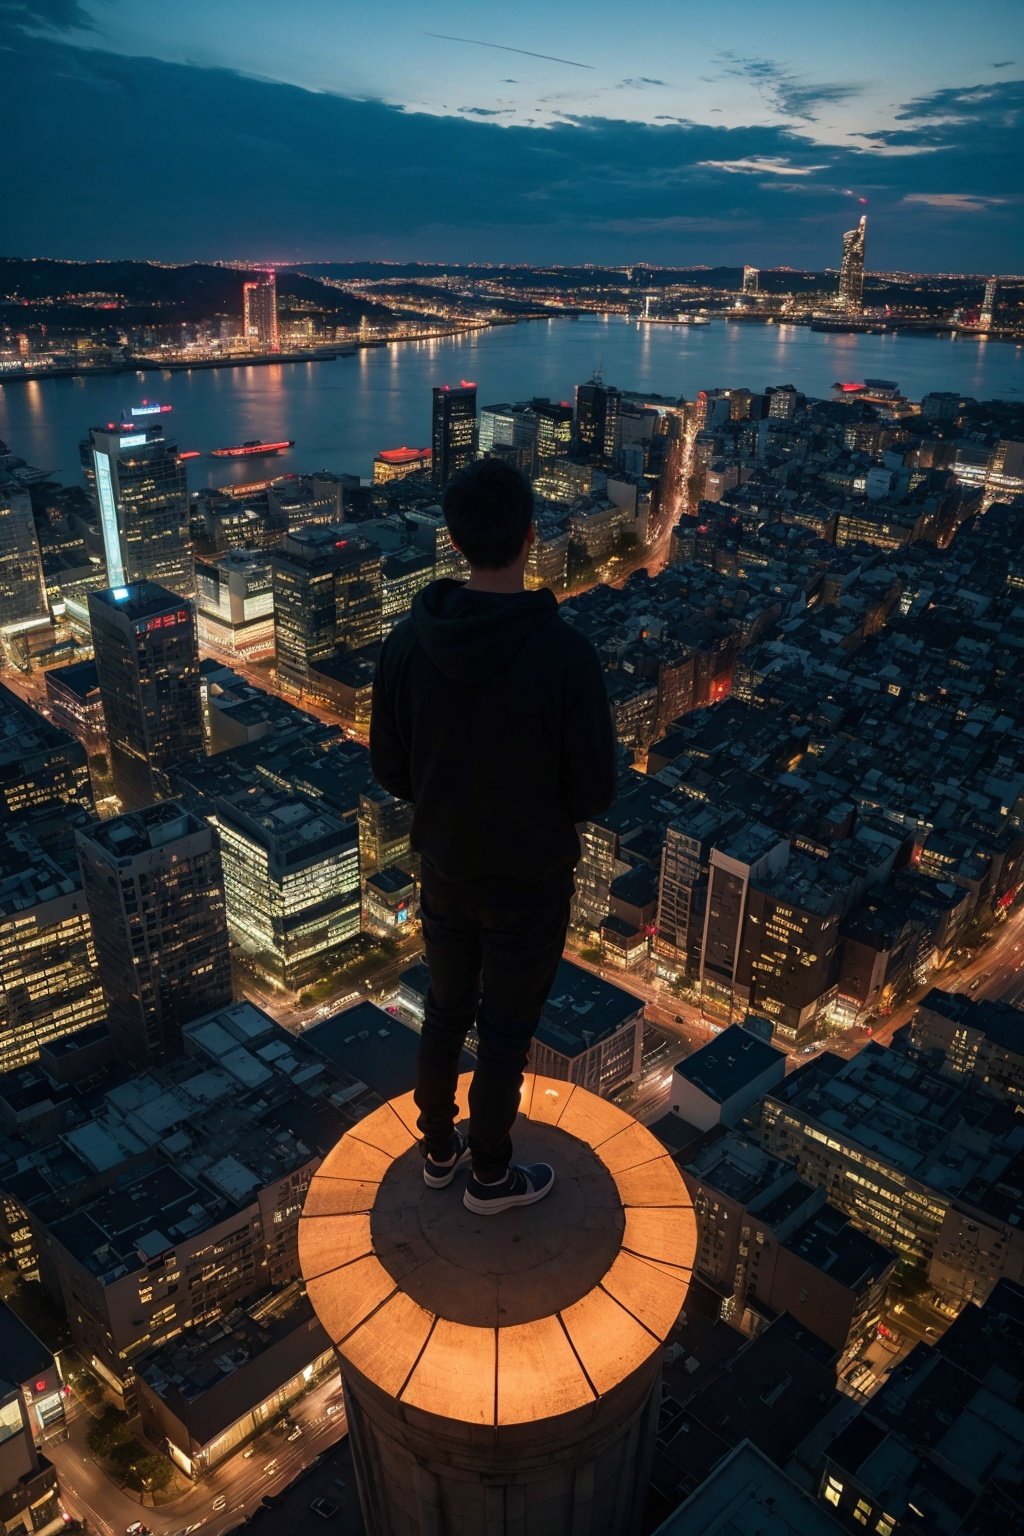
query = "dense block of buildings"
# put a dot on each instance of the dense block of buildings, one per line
(921, 1163)
(157, 1203)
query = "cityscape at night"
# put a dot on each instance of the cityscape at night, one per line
(495, 503)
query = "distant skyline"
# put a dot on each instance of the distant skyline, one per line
(329, 131)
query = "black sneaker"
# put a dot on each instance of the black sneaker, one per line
(520, 1186)
(439, 1172)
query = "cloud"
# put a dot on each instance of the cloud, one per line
(1003, 63)
(958, 202)
(484, 111)
(762, 165)
(981, 116)
(790, 94)
(44, 16)
(353, 179)
(641, 83)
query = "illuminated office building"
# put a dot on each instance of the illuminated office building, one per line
(155, 891)
(453, 440)
(147, 663)
(598, 411)
(235, 603)
(44, 775)
(327, 600)
(22, 591)
(49, 985)
(751, 279)
(291, 878)
(259, 312)
(554, 426)
(508, 432)
(138, 486)
(396, 463)
(988, 303)
(850, 299)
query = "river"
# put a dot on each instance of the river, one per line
(342, 413)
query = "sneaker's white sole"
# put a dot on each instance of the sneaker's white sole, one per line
(495, 1207)
(433, 1182)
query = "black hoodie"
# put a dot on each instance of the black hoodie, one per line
(491, 716)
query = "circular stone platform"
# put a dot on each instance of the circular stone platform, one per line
(501, 1320)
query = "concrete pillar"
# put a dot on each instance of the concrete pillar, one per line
(501, 1373)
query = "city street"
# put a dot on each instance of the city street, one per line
(223, 1500)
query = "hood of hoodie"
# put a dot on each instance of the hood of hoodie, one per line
(472, 636)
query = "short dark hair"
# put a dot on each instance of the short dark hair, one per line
(488, 507)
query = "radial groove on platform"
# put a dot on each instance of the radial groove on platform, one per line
(504, 1320)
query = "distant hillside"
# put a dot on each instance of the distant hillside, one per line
(194, 292)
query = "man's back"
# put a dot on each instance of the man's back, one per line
(490, 714)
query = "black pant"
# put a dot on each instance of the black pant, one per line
(490, 968)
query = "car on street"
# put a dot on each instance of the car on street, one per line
(293, 1434)
(137, 1529)
(324, 1508)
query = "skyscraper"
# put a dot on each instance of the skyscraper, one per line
(453, 441)
(137, 483)
(327, 598)
(751, 279)
(598, 411)
(22, 592)
(850, 299)
(49, 986)
(988, 305)
(509, 432)
(554, 426)
(147, 662)
(259, 312)
(155, 890)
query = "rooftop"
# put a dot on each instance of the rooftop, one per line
(729, 1062)
(136, 832)
(138, 600)
(747, 1495)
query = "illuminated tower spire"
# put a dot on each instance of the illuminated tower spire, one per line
(851, 274)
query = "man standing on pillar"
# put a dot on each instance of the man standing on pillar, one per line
(490, 715)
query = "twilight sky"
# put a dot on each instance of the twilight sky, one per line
(536, 130)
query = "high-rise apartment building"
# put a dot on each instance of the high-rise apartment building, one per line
(750, 853)
(49, 985)
(453, 439)
(147, 662)
(291, 879)
(988, 303)
(327, 600)
(155, 891)
(138, 486)
(259, 312)
(850, 299)
(22, 590)
(683, 887)
(751, 279)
